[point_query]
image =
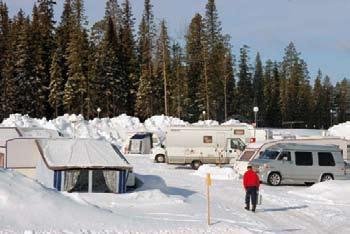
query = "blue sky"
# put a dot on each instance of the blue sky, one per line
(319, 28)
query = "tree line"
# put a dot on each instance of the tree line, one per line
(49, 68)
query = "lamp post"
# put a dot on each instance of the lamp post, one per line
(203, 115)
(73, 119)
(255, 109)
(331, 112)
(98, 112)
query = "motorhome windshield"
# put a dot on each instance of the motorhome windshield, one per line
(270, 154)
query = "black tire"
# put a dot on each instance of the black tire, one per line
(196, 164)
(160, 158)
(326, 177)
(274, 179)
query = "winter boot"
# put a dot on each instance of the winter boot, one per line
(246, 207)
(253, 208)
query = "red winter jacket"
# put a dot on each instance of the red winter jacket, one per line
(251, 179)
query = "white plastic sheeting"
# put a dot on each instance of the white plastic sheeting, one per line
(81, 153)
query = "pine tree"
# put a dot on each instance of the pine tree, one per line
(56, 91)
(244, 86)
(318, 102)
(258, 82)
(268, 93)
(214, 54)
(5, 52)
(145, 102)
(195, 67)
(78, 49)
(229, 85)
(128, 54)
(328, 94)
(162, 71)
(177, 83)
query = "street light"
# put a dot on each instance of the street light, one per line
(203, 115)
(98, 112)
(331, 112)
(73, 119)
(255, 109)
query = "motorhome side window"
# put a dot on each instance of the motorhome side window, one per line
(207, 139)
(285, 155)
(303, 158)
(326, 159)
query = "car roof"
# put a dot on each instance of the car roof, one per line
(300, 147)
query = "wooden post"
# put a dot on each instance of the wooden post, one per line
(208, 182)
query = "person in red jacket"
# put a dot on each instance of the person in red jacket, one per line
(251, 183)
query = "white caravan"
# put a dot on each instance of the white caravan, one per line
(254, 150)
(196, 145)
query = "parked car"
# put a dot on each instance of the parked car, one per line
(300, 163)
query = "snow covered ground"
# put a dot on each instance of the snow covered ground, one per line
(172, 199)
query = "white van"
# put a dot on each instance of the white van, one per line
(300, 163)
(197, 145)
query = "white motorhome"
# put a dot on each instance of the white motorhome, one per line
(254, 150)
(196, 145)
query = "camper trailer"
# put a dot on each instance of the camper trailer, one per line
(254, 150)
(196, 145)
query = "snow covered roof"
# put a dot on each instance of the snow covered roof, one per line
(81, 153)
(7, 133)
(38, 132)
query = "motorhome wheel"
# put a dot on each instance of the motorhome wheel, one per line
(196, 164)
(326, 177)
(274, 179)
(160, 158)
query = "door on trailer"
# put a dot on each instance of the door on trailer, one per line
(234, 147)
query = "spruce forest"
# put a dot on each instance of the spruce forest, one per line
(49, 68)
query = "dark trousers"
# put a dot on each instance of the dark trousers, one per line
(251, 194)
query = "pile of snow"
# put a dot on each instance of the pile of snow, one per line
(330, 192)
(159, 123)
(115, 130)
(217, 173)
(340, 130)
(206, 123)
(231, 122)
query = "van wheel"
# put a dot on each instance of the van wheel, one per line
(196, 164)
(326, 177)
(274, 179)
(160, 158)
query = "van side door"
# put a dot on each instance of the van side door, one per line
(327, 164)
(304, 170)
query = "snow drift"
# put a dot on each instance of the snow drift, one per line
(340, 130)
(331, 192)
(217, 173)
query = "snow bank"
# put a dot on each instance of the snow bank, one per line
(217, 173)
(206, 123)
(340, 130)
(331, 192)
(25, 204)
(159, 123)
(231, 122)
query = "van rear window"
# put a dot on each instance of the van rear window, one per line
(247, 155)
(326, 159)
